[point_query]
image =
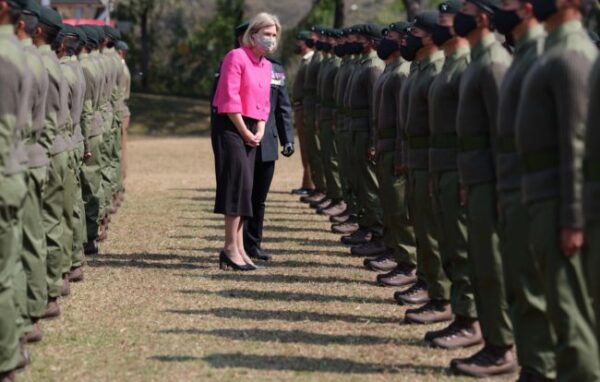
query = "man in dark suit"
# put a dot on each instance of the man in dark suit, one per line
(279, 130)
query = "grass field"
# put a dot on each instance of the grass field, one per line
(155, 307)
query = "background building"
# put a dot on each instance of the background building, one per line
(82, 9)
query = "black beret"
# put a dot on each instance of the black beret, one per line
(122, 45)
(99, 32)
(303, 35)
(356, 29)
(489, 6)
(70, 30)
(241, 29)
(399, 27)
(91, 35)
(450, 6)
(18, 4)
(111, 32)
(51, 18)
(426, 20)
(318, 29)
(372, 31)
(33, 7)
(335, 33)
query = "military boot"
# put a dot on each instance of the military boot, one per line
(382, 263)
(52, 309)
(362, 236)
(66, 288)
(34, 335)
(415, 295)
(90, 248)
(316, 196)
(76, 275)
(334, 209)
(490, 361)
(399, 277)
(341, 218)
(430, 313)
(370, 249)
(461, 333)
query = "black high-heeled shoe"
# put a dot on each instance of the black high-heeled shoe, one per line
(226, 263)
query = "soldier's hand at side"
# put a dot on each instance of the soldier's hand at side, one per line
(463, 196)
(87, 155)
(571, 241)
(288, 150)
(371, 154)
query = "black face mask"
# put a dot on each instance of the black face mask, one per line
(340, 50)
(297, 50)
(441, 34)
(464, 24)
(506, 21)
(386, 47)
(319, 45)
(413, 44)
(326, 47)
(355, 48)
(542, 9)
(310, 43)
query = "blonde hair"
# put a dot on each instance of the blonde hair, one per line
(260, 21)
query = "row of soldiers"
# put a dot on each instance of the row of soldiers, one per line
(458, 154)
(63, 92)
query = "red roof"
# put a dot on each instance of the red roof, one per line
(87, 21)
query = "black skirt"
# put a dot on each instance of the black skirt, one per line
(234, 167)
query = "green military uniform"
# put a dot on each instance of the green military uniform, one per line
(451, 215)
(325, 106)
(416, 130)
(476, 126)
(313, 146)
(91, 125)
(33, 254)
(550, 128)
(343, 135)
(524, 290)
(298, 105)
(398, 234)
(359, 106)
(590, 190)
(16, 83)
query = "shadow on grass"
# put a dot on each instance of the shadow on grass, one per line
(279, 315)
(147, 260)
(301, 240)
(283, 279)
(315, 365)
(174, 358)
(293, 337)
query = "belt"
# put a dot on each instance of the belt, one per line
(386, 133)
(591, 170)
(328, 104)
(506, 144)
(310, 92)
(358, 113)
(419, 143)
(540, 160)
(297, 103)
(474, 142)
(444, 141)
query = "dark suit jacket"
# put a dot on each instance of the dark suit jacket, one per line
(280, 123)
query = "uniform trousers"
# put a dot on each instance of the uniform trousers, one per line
(253, 227)
(313, 145)
(329, 157)
(91, 182)
(299, 125)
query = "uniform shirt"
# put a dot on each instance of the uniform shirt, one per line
(401, 154)
(244, 85)
(298, 87)
(76, 80)
(96, 59)
(72, 94)
(359, 97)
(339, 90)
(477, 111)
(116, 97)
(551, 121)
(443, 106)
(57, 110)
(89, 125)
(126, 89)
(325, 92)
(15, 86)
(386, 101)
(527, 50)
(591, 188)
(310, 89)
(38, 155)
(417, 123)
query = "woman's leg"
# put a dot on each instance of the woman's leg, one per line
(232, 224)
(240, 243)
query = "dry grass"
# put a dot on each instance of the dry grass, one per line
(154, 306)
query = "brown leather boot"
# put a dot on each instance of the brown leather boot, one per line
(52, 309)
(8, 376)
(90, 248)
(399, 277)
(415, 295)
(370, 249)
(382, 263)
(345, 228)
(341, 218)
(316, 196)
(321, 204)
(334, 209)
(76, 275)
(25, 358)
(488, 362)
(66, 289)
(430, 313)
(34, 335)
(362, 236)
(525, 376)
(462, 333)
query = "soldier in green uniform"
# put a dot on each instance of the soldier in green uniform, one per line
(534, 337)
(55, 140)
(304, 48)
(550, 127)
(347, 222)
(91, 126)
(398, 237)
(464, 331)
(34, 294)
(325, 106)
(14, 108)
(359, 105)
(476, 126)
(313, 148)
(122, 48)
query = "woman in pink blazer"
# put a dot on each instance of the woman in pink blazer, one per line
(242, 103)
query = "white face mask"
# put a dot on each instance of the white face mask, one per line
(265, 42)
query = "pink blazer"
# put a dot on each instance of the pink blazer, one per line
(244, 85)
